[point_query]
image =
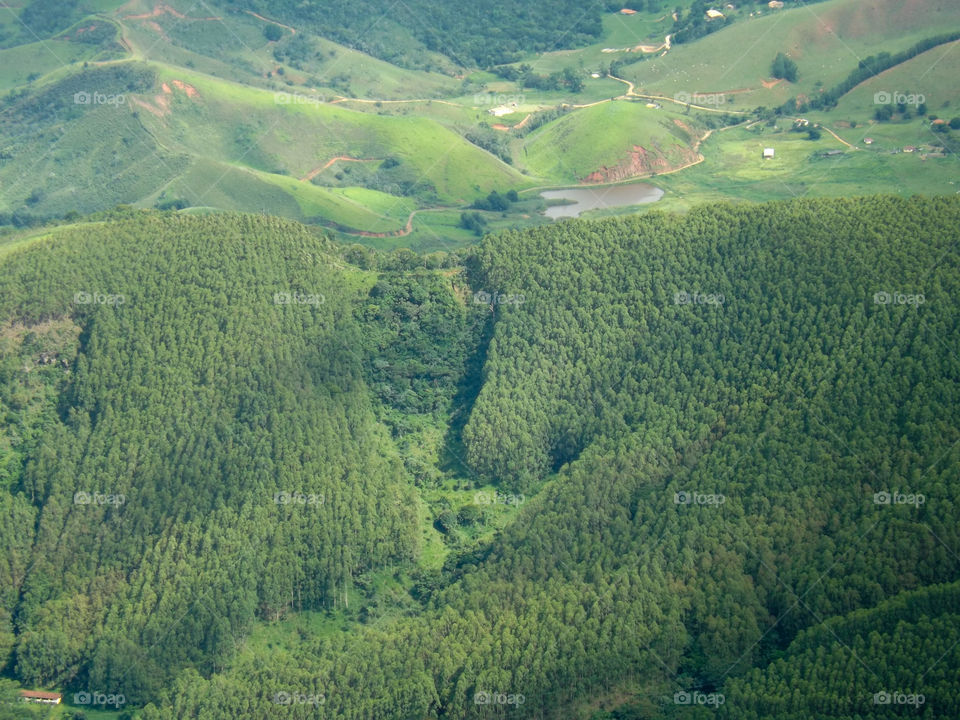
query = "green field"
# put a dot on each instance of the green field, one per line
(735, 170)
(826, 41)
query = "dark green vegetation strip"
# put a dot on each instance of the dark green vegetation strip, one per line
(448, 28)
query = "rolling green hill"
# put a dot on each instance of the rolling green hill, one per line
(233, 45)
(391, 33)
(930, 74)
(611, 142)
(174, 136)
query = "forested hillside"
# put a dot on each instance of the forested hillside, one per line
(902, 654)
(201, 449)
(735, 433)
(450, 29)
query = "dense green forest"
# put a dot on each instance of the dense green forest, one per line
(898, 658)
(734, 432)
(509, 29)
(212, 412)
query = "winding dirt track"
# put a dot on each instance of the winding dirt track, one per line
(837, 137)
(406, 230)
(272, 22)
(632, 93)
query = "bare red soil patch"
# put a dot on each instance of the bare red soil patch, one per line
(639, 163)
(190, 90)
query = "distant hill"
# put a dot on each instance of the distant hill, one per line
(142, 133)
(478, 33)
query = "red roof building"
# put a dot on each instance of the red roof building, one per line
(40, 696)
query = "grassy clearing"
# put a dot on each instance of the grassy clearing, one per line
(66, 709)
(735, 170)
(295, 134)
(22, 64)
(220, 185)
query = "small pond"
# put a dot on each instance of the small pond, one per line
(599, 197)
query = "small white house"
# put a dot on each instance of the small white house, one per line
(767, 153)
(503, 110)
(40, 696)
(714, 14)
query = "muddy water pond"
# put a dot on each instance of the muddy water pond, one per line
(598, 197)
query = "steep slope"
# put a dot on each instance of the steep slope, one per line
(198, 447)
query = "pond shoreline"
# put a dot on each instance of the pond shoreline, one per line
(582, 199)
